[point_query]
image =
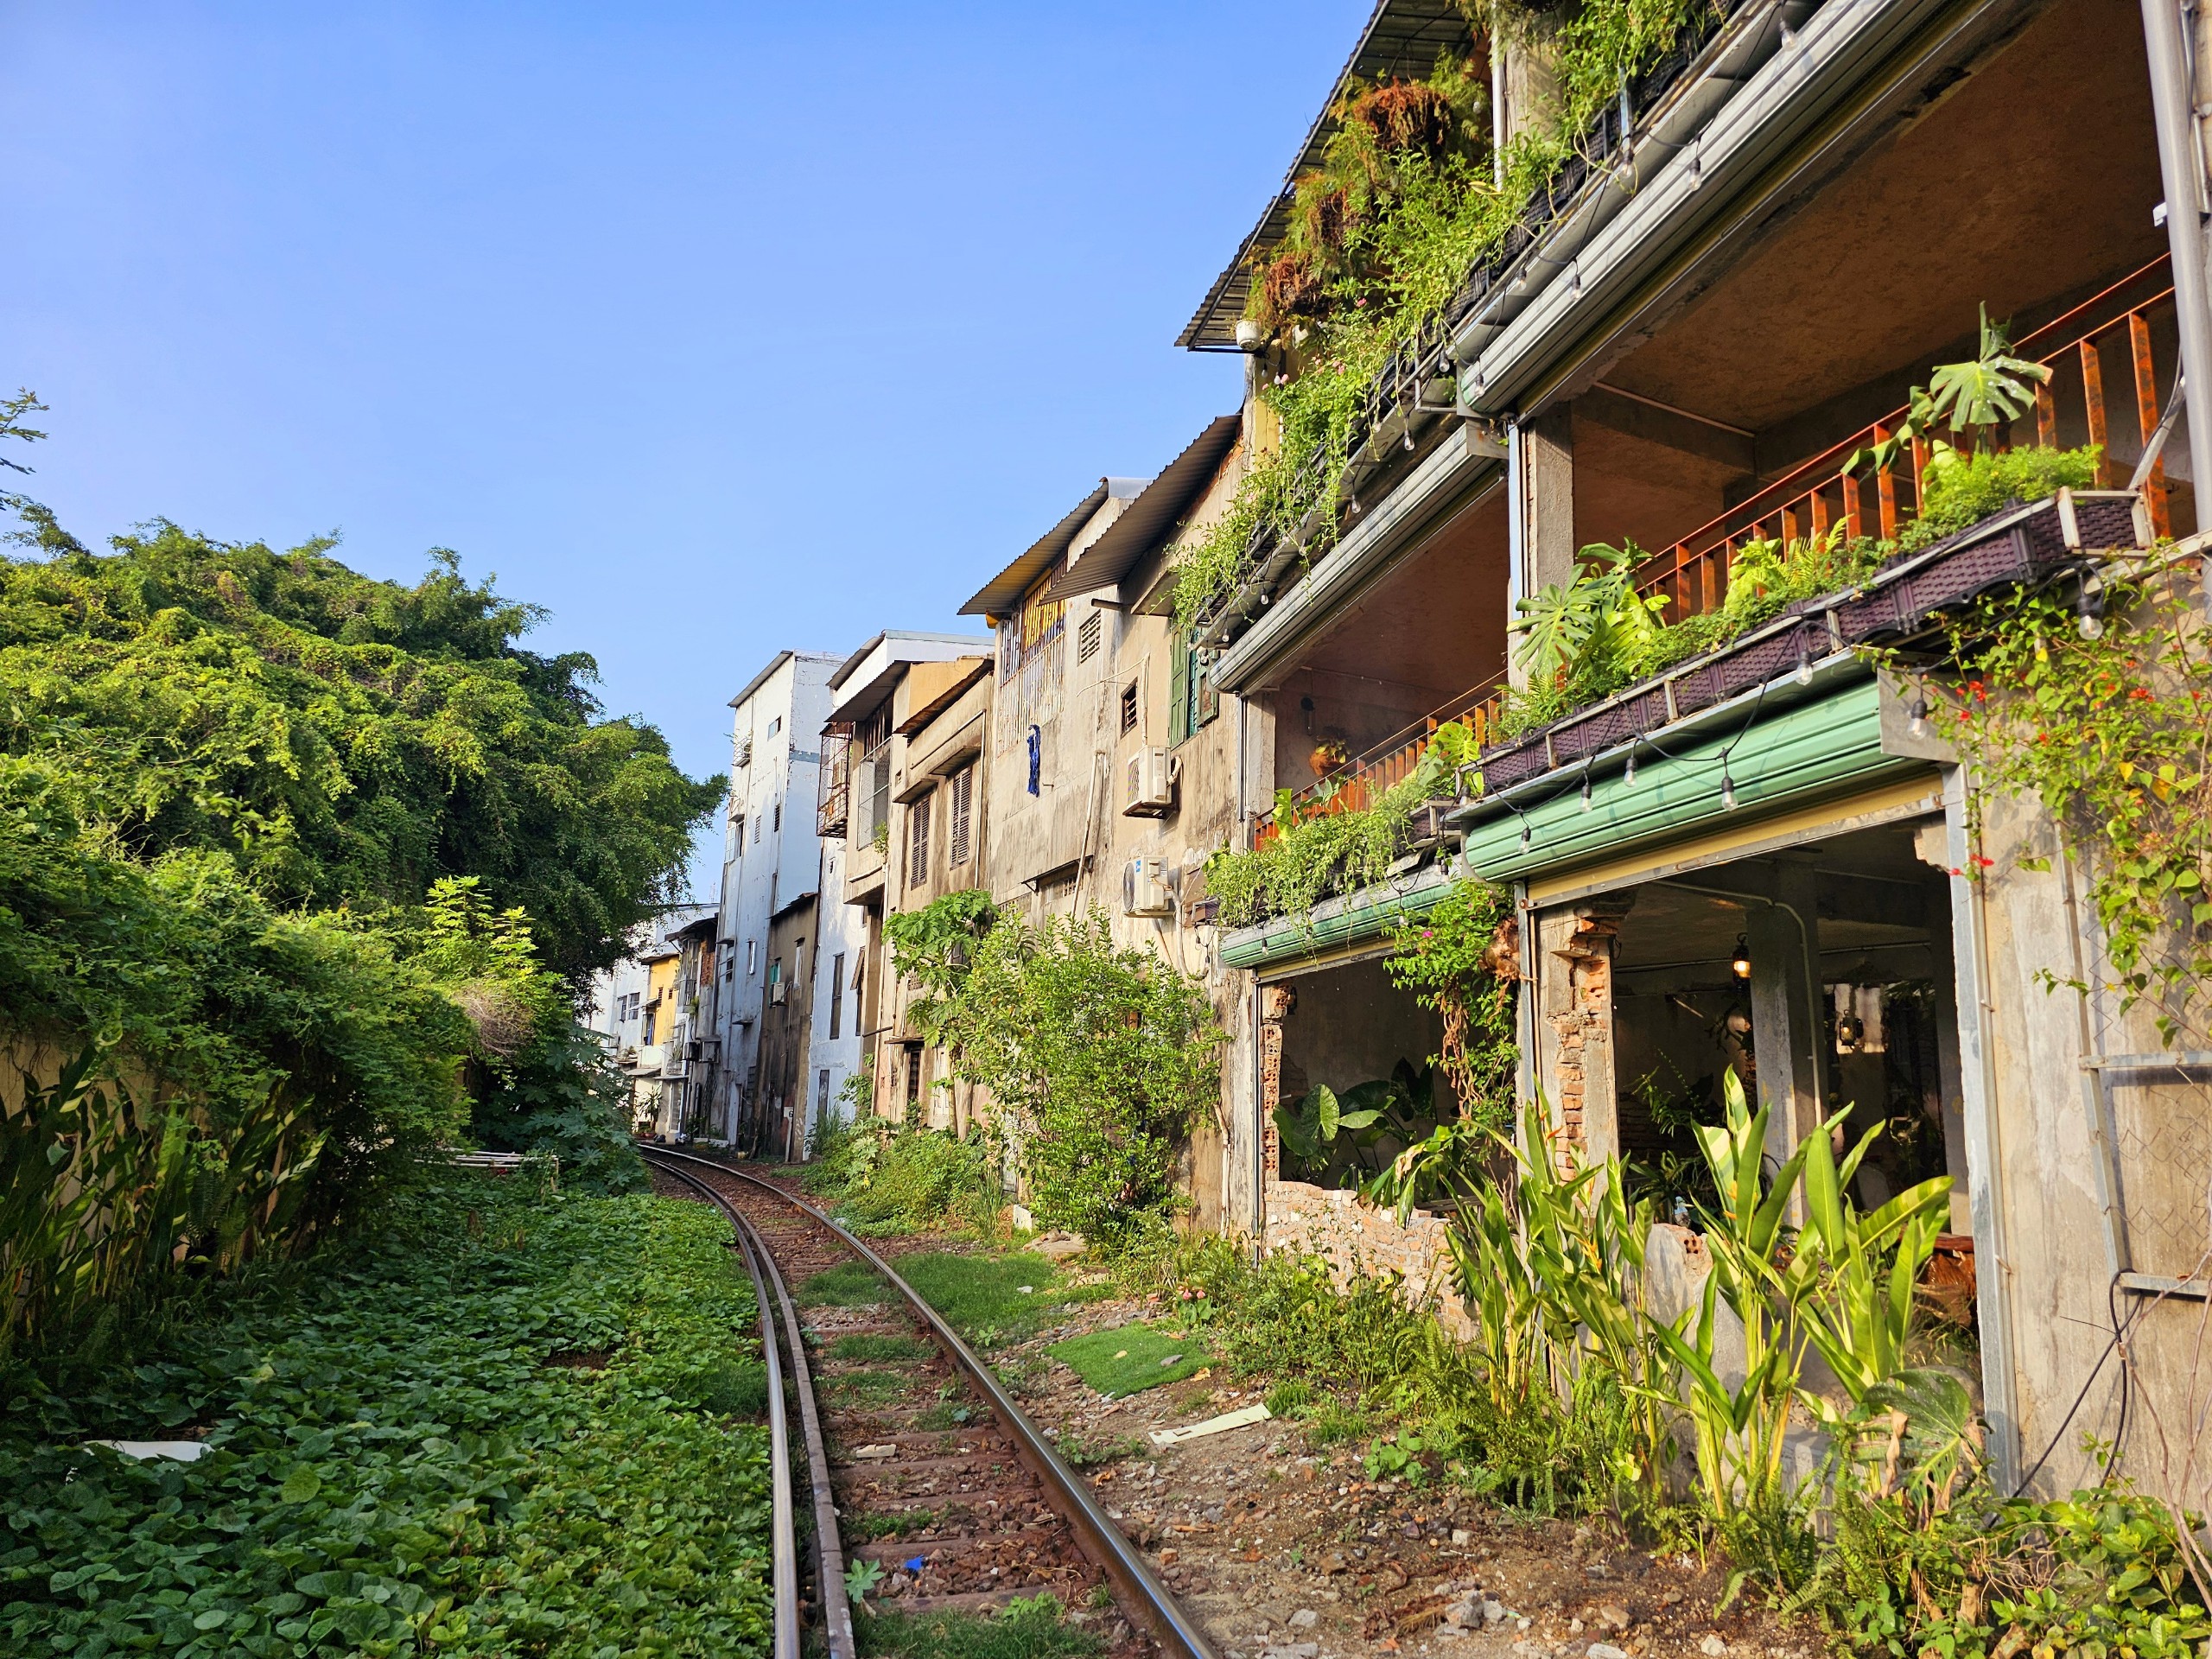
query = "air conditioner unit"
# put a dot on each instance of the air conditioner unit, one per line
(1148, 786)
(1143, 892)
(779, 993)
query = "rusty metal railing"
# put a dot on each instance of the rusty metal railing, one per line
(1367, 776)
(2077, 406)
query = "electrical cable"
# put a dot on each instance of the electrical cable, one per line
(2059, 1434)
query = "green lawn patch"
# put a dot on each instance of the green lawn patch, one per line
(513, 1436)
(849, 1284)
(993, 1298)
(1030, 1628)
(1131, 1358)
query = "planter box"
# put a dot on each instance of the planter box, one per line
(2023, 545)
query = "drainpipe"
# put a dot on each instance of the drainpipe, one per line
(2181, 167)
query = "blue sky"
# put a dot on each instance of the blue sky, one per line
(715, 329)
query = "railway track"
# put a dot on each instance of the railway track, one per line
(938, 1486)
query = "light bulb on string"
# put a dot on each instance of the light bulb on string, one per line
(2089, 609)
(1628, 772)
(1585, 789)
(1524, 832)
(1918, 725)
(1727, 791)
(1804, 662)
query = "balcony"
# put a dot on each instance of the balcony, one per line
(831, 808)
(2103, 390)
(1366, 777)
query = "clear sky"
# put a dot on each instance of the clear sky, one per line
(715, 329)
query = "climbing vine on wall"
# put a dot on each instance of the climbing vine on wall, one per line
(2100, 709)
(1461, 960)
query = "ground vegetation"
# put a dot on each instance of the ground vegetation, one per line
(502, 1420)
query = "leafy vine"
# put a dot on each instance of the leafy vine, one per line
(2097, 704)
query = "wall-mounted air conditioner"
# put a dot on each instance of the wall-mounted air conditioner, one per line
(1143, 892)
(779, 993)
(1148, 785)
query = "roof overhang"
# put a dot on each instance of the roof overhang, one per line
(869, 674)
(1157, 510)
(1003, 594)
(1402, 37)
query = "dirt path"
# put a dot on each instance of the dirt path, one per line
(1285, 1553)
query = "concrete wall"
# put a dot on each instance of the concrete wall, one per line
(1358, 1239)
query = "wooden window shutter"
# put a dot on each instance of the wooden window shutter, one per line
(1179, 690)
(917, 843)
(957, 835)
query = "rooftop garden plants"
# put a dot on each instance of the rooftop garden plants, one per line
(1408, 199)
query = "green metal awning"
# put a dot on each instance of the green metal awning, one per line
(1337, 924)
(1775, 759)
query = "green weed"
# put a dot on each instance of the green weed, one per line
(849, 1284)
(878, 1345)
(867, 1528)
(1030, 1628)
(993, 1298)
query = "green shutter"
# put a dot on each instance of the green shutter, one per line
(1179, 690)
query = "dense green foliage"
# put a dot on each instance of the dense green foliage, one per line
(1407, 199)
(300, 859)
(499, 1424)
(1028, 1627)
(2105, 722)
(1096, 1058)
(1458, 959)
(341, 741)
(887, 1178)
(1324, 844)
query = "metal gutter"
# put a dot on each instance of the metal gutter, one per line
(1460, 461)
(1770, 88)
(1774, 755)
(1336, 922)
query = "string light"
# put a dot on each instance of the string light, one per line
(1628, 772)
(1804, 662)
(1524, 832)
(1727, 790)
(2089, 609)
(1586, 788)
(1741, 965)
(1918, 726)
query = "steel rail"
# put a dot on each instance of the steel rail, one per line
(1099, 1538)
(761, 1268)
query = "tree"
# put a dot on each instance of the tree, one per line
(346, 743)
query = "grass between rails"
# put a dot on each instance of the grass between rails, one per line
(1030, 1628)
(414, 1444)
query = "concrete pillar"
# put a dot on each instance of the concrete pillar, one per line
(1574, 1023)
(1543, 508)
(1787, 1029)
(1950, 1074)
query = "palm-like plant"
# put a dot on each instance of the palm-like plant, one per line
(1594, 626)
(1987, 390)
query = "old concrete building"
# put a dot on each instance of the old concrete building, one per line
(772, 859)
(1761, 858)
(869, 751)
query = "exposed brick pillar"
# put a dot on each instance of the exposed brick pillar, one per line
(1275, 1003)
(1575, 1023)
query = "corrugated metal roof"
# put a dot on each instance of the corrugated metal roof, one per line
(1158, 511)
(1002, 592)
(1401, 38)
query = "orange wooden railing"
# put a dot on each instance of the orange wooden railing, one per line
(2075, 406)
(1364, 779)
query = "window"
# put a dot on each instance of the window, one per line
(748, 957)
(913, 1073)
(822, 1095)
(1088, 636)
(775, 973)
(756, 832)
(1129, 708)
(961, 786)
(653, 1017)
(775, 725)
(730, 966)
(1192, 700)
(798, 959)
(917, 842)
(744, 756)
(776, 810)
(837, 995)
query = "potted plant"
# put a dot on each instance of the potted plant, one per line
(1328, 754)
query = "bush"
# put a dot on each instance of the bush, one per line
(1098, 1057)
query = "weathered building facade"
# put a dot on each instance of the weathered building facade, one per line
(1765, 858)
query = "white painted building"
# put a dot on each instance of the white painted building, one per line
(772, 859)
